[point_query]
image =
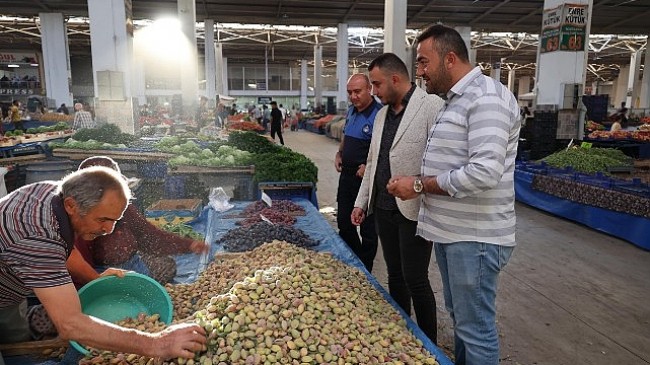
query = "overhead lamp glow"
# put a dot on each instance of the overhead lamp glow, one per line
(34, 64)
(13, 65)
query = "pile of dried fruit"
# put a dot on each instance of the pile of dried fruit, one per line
(275, 216)
(284, 206)
(247, 238)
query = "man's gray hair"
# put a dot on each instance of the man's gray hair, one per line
(87, 186)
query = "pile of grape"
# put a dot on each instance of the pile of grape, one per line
(284, 206)
(247, 238)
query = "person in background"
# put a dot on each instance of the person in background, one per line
(63, 109)
(616, 126)
(82, 118)
(350, 161)
(15, 116)
(283, 110)
(233, 109)
(135, 245)
(266, 117)
(257, 114)
(466, 188)
(40, 223)
(398, 142)
(276, 122)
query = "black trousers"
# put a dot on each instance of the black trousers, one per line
(407, 260)
(277, 128)
(366, 247)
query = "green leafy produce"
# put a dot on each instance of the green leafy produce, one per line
(284, 165)
(252, 142)
(85, 145)
(106, 133)
(183, 230)
(224, 156)
(588, 160)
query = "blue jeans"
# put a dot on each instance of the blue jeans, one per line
(470, 272)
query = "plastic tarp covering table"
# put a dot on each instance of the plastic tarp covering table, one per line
(629, 227)
(214, 224)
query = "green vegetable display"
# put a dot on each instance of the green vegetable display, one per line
(85, 145)
(588, 160)
(191, 154)
(107, 133)
(252, 142)
(182, 230)
(284, 165)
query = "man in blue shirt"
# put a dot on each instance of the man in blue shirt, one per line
(350, 161)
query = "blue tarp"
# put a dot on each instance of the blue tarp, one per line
(214, 224)
(629, 227)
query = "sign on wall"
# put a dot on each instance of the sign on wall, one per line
(564, 28)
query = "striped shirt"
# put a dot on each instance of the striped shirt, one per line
(83, 119)
(33, 251)
(471, 151)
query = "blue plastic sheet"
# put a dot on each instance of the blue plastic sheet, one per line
(214, 224)
(629, 227)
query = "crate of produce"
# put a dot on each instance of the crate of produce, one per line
(173, 211)
(289, 191)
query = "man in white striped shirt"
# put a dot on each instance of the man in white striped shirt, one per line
(466, 188)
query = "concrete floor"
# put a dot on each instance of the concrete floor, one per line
(570, 295)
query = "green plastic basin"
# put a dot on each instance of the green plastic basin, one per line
(112, 299)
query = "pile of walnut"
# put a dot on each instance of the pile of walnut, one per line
(283, 304)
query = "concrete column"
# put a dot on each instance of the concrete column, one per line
(495, 72)
(620, 87)
(189, 69)
(558, 68)
(139, 86)
(303, 84)
(210, 61)
(466, 34)
(111, 43)
(221, 72)
(318, 78)
(395, 28)
(524, 85)
(511, 80)
(56, 60)
(644, 95)
(633, 76)
(342, 66)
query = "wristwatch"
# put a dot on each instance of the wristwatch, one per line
(417, 185)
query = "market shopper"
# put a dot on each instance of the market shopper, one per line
(40, 223)
(397, 145)
(466, 189)
(276, 122)
(350, 161)
(135, 245)
(82, 118)
(14, 115)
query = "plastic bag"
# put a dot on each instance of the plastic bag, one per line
(219, 200)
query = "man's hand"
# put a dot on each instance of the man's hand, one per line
(114, 271)
(199, 247)
(338, 161)
(402, 187)
(358, 216)
(361, 170)
(181, 340)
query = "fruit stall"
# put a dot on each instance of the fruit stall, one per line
(602, 188)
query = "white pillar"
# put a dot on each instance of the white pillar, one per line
(221, 70)
(210, 61)
(644, 95)
(557, 68)
(633, 76)
(318, 78)
(620, 87)
(111, 43)
(395, 28)
(495, 72)
(342, 66)
(524, 85)
(189, 69)
(511, 80)
(466, 34)
(139, 86)
(303, 84)
(56, 60)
